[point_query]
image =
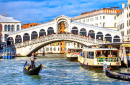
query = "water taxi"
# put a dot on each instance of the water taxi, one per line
(94, 58)
(72, 54)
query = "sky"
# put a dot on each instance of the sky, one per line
(37, 11)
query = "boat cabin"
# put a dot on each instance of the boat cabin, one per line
(72, 54)
(94, 57)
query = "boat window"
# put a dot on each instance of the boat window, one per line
(77, 50)
(98, 53)
(115, 54)
(84, 54)
(90, 55)
(127, 50)
(109, 53)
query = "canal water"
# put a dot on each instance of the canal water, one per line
(61, 72)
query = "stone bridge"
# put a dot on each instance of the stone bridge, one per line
(27, 47)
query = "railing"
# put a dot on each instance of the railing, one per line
(73, 37)
(108, 59)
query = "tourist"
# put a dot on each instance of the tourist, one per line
(32, 61)
(26, 64)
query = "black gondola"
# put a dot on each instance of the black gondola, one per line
(34, 71)
(116, 75)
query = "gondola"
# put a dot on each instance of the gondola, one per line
(34, 71)
(116, 75)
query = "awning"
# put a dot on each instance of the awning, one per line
(126, 45)
(1, 43)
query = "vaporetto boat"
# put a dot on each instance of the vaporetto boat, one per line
(94, 57)
(72, 54)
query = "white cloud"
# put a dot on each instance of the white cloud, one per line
(37, 11)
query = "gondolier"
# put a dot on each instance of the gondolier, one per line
(32, 61)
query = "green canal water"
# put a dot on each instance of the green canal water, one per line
(61, 72)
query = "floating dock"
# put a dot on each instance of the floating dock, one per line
(8, 53)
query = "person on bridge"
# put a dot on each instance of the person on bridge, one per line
(32, 61)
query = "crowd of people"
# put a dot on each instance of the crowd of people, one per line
(106, 54)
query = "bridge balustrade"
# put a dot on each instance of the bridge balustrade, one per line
(60, 37)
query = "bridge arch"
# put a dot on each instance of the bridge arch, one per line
(99, 36)
(10, 41)
(34, 35)
(74, 30)
(83, 32)
(116, 38)
(36, 44)
(18, 39)
(50, 31)
(108, 37)
(42, 32)
(26, 37)
(91, 34)
(46, 43)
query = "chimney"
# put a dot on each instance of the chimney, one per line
(41, 22)
(4, 15)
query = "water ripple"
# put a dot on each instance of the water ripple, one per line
(61, 72)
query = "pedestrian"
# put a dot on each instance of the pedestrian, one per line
(32, 61)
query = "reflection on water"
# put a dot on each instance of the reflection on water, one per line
(61, 72)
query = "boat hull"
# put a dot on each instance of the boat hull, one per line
(34, 71)
(72, 58)
(115, 75)
(97, 67)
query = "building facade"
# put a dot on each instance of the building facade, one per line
(105, 17)
(7, 25)
(123, 22)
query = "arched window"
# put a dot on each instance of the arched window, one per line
(18, 39)
(74, 30)
(99, 36)
(34, 35)
(17, 27)
(108, 38)
(42, 32)
(10, 41)
(8, 27)
(6, 36)
(5, 28)
(91, 34)
(83, 32)
(116, 38)
(12, 28)
(50, 31)
(26, 37)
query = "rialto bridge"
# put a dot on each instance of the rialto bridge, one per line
(62, 28)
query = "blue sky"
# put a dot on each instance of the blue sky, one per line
(29, 11)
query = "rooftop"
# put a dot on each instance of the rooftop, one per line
(7, 19)
(108, 10)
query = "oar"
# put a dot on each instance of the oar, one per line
(43, 66)
(46, 66)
